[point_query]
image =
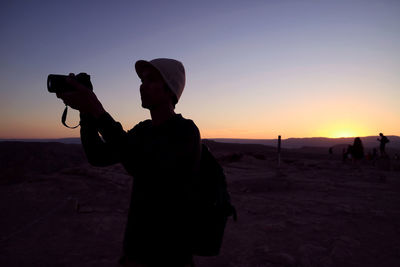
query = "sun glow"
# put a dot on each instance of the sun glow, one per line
(343, 129)
(343, 133)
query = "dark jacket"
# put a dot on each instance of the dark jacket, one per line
(163, 161)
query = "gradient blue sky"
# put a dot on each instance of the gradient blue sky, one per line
(255, 69)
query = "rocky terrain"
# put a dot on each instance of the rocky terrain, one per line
(311, 210)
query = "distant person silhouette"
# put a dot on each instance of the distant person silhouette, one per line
(383, 141)
(357, 150)
(162, 155)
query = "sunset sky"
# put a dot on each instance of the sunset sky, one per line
(254, 69)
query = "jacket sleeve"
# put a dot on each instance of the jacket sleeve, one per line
(98, 152)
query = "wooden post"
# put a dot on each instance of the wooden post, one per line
(279, 151)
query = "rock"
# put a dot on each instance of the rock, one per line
(278, 184)
(296, 222)
(120, 211)
(347, 209)
(348, 241)
(282, 259)
(275, 227)
(382, 178)
(317, 228)
(244, 190)
(342, 249)
(378, 214)
(85, 209)
(259, 156)
(230, 158)
(313, 255)
(280, 173)
(398, 252)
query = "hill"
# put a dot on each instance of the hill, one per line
(368, 142)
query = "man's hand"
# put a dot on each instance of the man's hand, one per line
(82, 98)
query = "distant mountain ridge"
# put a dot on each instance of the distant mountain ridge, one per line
(72, 140)
(368, 141)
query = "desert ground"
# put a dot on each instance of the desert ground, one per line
(311, 210)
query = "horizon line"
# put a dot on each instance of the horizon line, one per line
(217, 138)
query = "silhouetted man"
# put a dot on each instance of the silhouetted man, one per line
(383, 141)
(162, 155)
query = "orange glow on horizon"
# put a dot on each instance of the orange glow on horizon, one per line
(52, 128)
(344, 129)
(344, 133)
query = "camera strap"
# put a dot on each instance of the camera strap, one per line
(64, 118)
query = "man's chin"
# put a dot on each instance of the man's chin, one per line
(146, 106)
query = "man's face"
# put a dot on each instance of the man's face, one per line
(152, 89)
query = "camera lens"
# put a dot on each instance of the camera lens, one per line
(49, 84)
(56, 83)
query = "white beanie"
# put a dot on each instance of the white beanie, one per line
(171, 70)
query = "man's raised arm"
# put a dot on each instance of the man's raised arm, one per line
(97, 151)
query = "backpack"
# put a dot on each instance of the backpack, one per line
(212, 206)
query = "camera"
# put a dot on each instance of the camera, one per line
(57, 83)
